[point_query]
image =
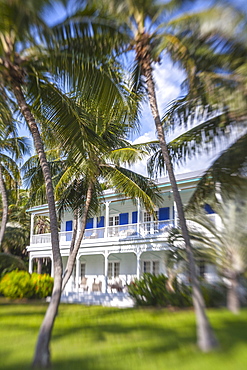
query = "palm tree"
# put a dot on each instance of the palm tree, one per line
(11, 150)
(80, 178)
(91, 176)
(147, 37)
(215, 112)
(16, 29)
(31, 54)
(17, 232)
(226, 174)
(225, 241)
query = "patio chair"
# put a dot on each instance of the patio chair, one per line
(117, 285)
(83, 284)
(96, 286)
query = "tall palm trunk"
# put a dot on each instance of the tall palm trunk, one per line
(233, 302)
(5, 206)
(205, 336)
(39, 265)
(74, 249)
(42, 352)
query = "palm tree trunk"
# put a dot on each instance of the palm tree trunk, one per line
(74, 251)
(5, 206)
(75, 228)
(233, 302)
(39, 265)
(42, 352)
(205, 337)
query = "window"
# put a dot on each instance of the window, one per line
(201, 268)
(83, 270)
(147, 222)
(152, 267)
(146, 266)
(151, 223)
(147, 217)
(113, 269)
(156, 267)
(114, 220)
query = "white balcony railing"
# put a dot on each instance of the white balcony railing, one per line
(121, 231)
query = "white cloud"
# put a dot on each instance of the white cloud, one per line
(168, 79)
(146, 137)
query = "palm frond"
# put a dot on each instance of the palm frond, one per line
(132, 185)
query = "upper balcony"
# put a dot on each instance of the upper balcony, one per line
(119, 232)
(119, 219)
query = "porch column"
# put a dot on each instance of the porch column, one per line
(138, 265)
(175, 214)
(78, 226)
(30, 264)
(31, 228)
(77, 274)
(107, 204)
(106, 271)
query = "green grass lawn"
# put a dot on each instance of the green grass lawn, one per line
(119, 339)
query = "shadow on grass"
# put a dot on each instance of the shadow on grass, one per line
(232, 332)
(109, 336)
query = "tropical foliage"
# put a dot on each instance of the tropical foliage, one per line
(69, 78)
(35, 64)
(79, 186)
(20, 284)
(150, 28)
(12, 149)
(151, 290)
(9, 263)
(224, 241)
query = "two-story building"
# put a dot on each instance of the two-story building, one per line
(121, 243)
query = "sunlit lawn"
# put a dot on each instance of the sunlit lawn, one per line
(120, 339)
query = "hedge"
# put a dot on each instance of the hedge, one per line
(21, 284)
(151, 290)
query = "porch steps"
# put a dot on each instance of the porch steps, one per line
(121, 300)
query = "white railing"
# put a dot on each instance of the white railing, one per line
(41, 238)
(94, 233)
(121, 231)
(155, 227)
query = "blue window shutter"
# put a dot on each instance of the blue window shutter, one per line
(69, 225)
(89, 224)
(123, 218)
(101, 221)
(134, 217)
(208, 209)
(164, 213)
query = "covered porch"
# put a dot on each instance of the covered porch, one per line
(112, 271)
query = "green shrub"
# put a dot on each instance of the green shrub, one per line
(214, 294)
(151, 290)
(43, 285)
(20, 284)
(17, 284)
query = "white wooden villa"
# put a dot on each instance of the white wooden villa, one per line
(122, 243)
